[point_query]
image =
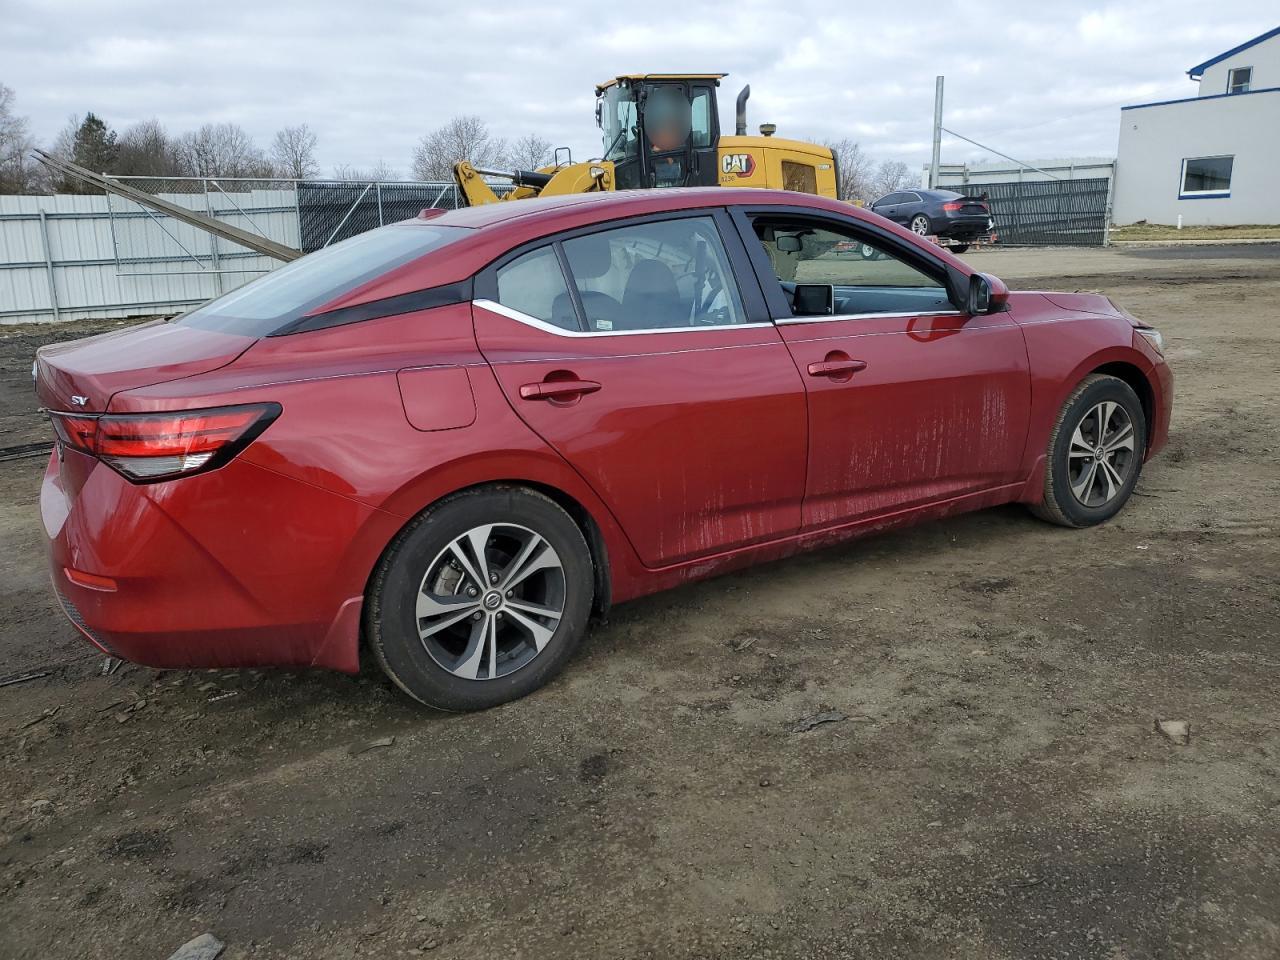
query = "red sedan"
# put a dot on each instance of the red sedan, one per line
(452, 440)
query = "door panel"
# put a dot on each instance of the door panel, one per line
(917, 409)
(695, 439)
(910, 401)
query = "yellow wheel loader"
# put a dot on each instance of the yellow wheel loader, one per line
(663, 130)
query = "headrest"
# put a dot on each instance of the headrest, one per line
(589, 257)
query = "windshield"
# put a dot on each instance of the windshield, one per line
(269, 303)
(618, 123)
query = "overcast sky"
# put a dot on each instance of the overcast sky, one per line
(371, 77)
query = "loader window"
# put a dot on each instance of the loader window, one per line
(702, 132)
(654, 276)
(618, 124)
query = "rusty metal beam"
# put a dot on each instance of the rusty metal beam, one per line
(218, 228)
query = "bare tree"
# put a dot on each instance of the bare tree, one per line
(381, 170)
(18, 173)
(854, 169)
(222, 150)
(294, 153)
(891, 176)
(146, 150)
(529, 152)
(462, 138)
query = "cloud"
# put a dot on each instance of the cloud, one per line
(370, 79)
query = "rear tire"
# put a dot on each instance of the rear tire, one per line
(958, 247)
(482, 599)
(920, 225)
(1095, 453)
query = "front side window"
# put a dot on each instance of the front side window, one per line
(667, 274)
(1207, 177)
(272, 302)
(826, 269)
(534, 285)
(1238, 80)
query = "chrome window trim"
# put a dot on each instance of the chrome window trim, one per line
(870, 316)
(516, 315)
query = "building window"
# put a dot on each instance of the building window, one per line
(1206, 177)
(1238, 80)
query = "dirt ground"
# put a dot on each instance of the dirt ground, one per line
(996, 791)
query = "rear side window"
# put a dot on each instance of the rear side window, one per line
(534, 285)
(655, 276)
(272, 302)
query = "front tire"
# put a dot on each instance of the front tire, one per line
(1095, 453)
(480, 600)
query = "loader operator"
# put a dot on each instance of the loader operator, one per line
(667, 122)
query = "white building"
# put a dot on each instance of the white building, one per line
(1212, 158)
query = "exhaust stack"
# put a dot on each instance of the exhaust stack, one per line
(740, 128)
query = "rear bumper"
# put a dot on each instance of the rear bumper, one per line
(962, 228)
(239, 567)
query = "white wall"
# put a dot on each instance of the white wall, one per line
(953, 175)
(146, 271)
(1263, 57)
(1155, 139)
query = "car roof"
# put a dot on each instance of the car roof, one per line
(610, 205)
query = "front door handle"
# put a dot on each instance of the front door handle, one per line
(558, 389)
(837, 369)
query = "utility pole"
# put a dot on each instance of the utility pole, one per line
(937, 134)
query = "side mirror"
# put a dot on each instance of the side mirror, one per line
(987, 294)
(814, 300)
(788, 243)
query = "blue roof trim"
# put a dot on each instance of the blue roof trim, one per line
(1198, 70)
(1215, 96)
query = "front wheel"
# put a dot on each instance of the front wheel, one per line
(920, 225)
(1095, 453)
(481, 600)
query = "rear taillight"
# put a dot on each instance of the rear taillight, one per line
(145, 447)
(952, 206)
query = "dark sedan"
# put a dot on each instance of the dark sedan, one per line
(941, 213)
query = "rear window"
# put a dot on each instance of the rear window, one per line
(271, 302)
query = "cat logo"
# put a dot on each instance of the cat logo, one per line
(740, 164)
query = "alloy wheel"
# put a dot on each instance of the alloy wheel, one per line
(491, 601)
(920, 225)
(1102, 455)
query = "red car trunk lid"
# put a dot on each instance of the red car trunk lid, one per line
(86, 374)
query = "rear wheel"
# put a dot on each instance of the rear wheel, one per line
(920, 225)
(1095, 453)
(483, 599)
(958, 247)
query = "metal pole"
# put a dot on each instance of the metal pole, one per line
(379, 185)
(937, 134)
(297, 210)
(48, 265)
(1106, 215)
(213, 242)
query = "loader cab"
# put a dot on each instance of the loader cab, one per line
(660, 130)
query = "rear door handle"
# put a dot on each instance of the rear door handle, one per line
(558, 389)
(836, 368)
